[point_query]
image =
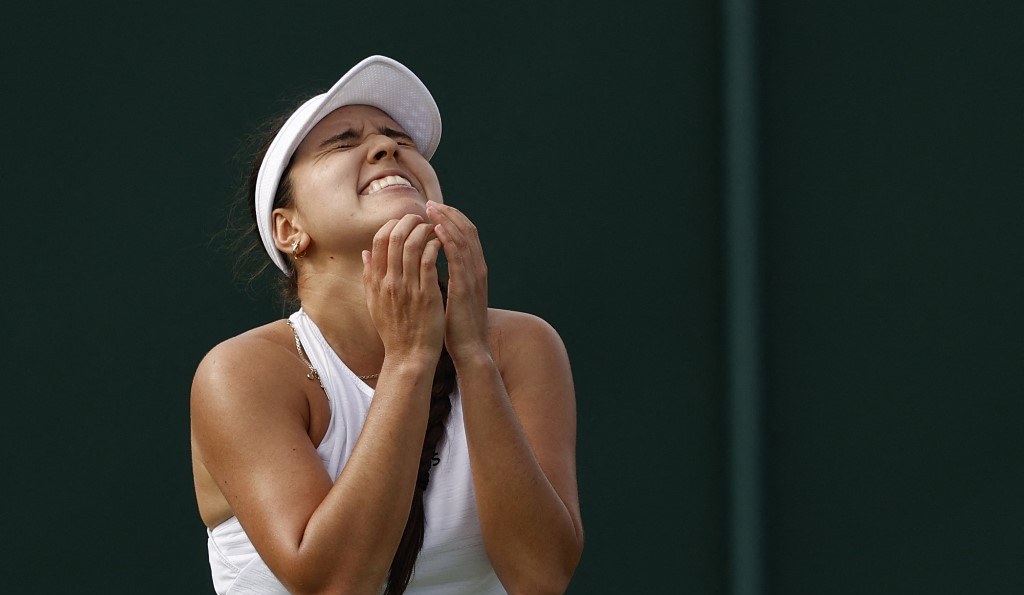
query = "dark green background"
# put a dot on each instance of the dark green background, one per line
(587, 144)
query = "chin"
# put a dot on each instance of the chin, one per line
(414, 207)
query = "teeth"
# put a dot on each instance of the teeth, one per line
(380, 184)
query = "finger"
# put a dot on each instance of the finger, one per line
(457, 250)
(396, 242)
(455, 217)
(437, 213)
(466, 265)
(428, 264)
(379, 249)
(453, 255)
(462, 231)
(446, 229)
(414, 244)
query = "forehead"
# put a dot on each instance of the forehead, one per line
(349, 117)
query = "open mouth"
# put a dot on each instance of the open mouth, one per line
(387, 182)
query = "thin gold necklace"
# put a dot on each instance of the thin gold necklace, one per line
(313, 374)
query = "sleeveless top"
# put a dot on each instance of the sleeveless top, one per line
(452, 561)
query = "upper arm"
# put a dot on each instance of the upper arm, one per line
(535, 369)
(250, 425)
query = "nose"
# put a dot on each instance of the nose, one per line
(381, 147)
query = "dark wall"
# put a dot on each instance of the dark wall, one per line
(584, 143)
(893, 149)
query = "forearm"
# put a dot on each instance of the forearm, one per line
(350, 540)
(530, 535)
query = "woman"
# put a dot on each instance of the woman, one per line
(335, 452)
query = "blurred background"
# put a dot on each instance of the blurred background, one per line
(781, 241)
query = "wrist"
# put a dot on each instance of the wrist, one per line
(411, 363)
(472, 361)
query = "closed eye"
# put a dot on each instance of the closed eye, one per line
(350, 138)
(341, 141)
(399, 136)
(342, 138)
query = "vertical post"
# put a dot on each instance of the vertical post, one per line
(743, 292)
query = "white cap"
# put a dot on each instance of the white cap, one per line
(376, 81)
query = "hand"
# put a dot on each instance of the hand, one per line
(400, 281)
(466, 315)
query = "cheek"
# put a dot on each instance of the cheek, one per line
(324, 185)
(434, 192)
(431, 185)
(318, 198)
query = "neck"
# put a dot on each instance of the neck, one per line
(335, 301)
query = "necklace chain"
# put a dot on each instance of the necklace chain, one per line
(313, 374)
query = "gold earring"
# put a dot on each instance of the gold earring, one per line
(295, 250)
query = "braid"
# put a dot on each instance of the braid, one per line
(440, 408)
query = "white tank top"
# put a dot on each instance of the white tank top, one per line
(452, 561)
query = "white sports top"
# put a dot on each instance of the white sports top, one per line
(452, 560)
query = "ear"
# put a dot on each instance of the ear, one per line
(287, 228)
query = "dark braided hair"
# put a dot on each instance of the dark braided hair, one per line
(440, 408)
(249, 245)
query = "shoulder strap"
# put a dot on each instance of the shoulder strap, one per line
(312, 374)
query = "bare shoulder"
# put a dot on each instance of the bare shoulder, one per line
(244, 367)
(513, 330)
(528, 349)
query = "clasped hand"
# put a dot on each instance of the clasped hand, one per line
(402, 293)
